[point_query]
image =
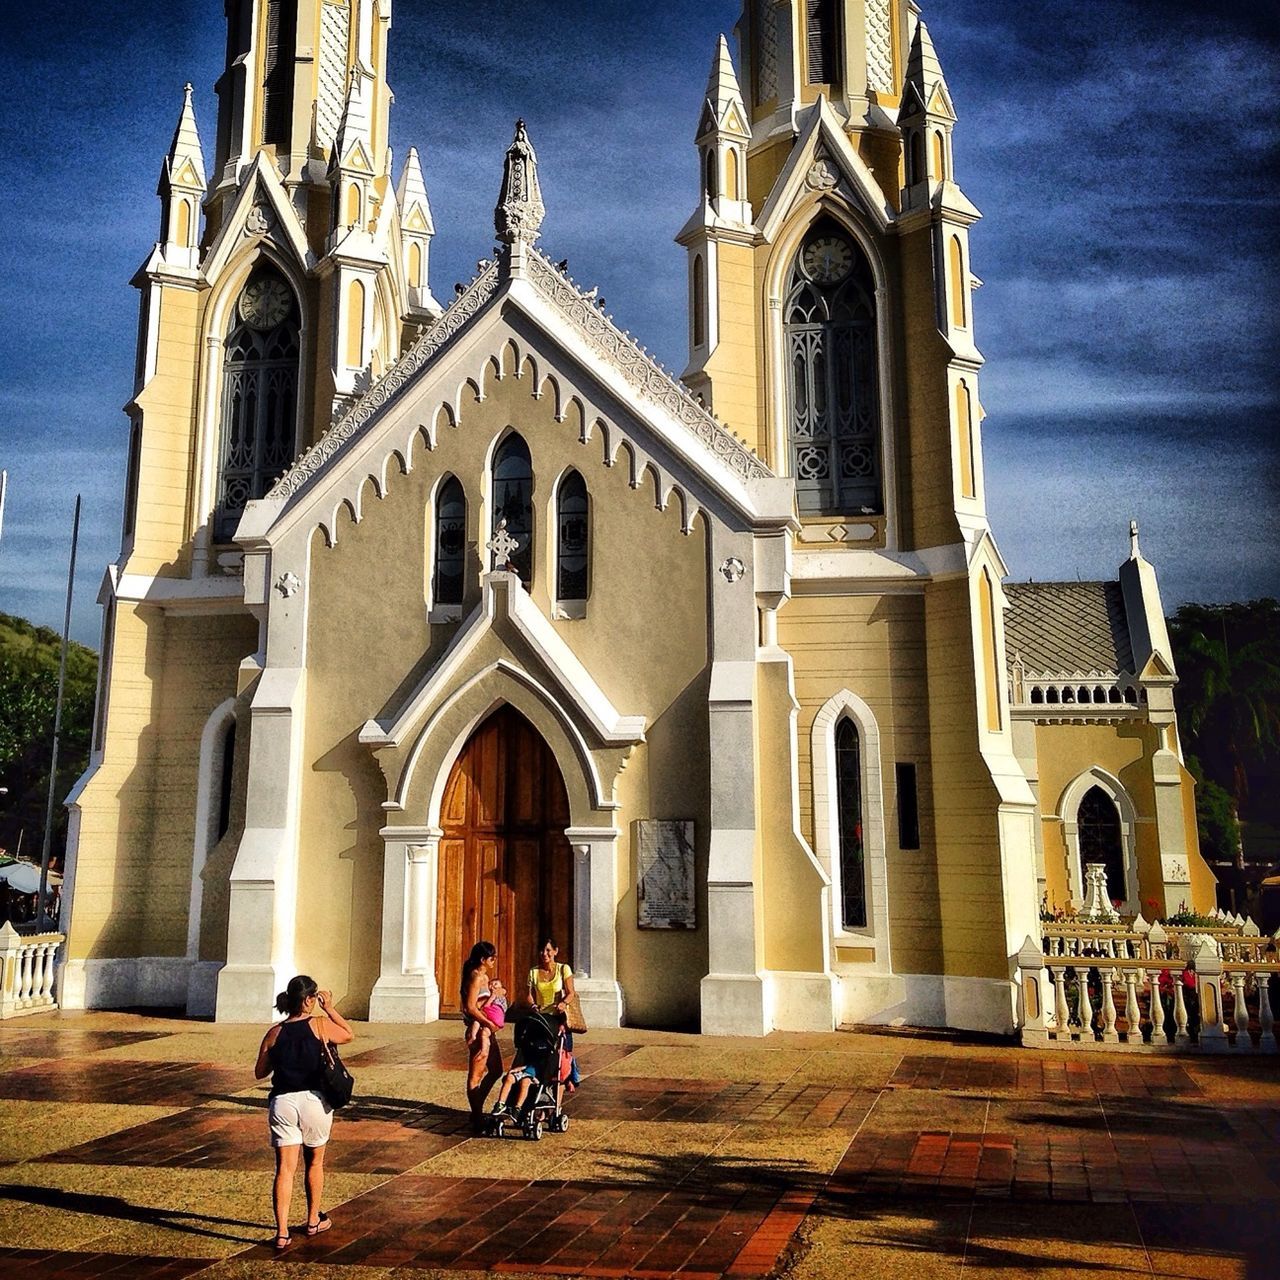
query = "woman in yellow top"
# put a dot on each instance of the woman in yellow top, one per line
(550, 985)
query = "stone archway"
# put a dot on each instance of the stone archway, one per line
(505, 866)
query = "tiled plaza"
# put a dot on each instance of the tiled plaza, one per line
(134, 1146)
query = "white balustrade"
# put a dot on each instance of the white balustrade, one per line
(27, 971)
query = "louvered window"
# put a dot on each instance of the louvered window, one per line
(277, 84)
(821, 42)
(259, 400)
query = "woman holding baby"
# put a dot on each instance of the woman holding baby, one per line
(483, 1013)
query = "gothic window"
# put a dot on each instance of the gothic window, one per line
(821, 41)
(987, 623)
(713, 187)
(699, 301)
(513, 501)
(915, 158)
(131, 480)
(450, 543)
(964, 441)
(853, 887)
(830, 337)
(259, 397)
(959, 285)
(573, 551)
(277, 84)
(224, 781)
(1098, 822)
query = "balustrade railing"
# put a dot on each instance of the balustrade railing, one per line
(27, 971)
(1193, 995)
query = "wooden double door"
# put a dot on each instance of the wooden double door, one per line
(505, 866)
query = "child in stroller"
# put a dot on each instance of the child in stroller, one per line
(536, 1078)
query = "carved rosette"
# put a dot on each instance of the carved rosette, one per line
(520, 209)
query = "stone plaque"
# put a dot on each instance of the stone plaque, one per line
(665, 879)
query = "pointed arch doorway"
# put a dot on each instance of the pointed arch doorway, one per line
(505, 864)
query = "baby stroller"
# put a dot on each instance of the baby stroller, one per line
(539, 1039)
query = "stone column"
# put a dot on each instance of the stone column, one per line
(595, 908)
(406, 990)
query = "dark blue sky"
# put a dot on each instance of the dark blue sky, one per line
(1124, 154)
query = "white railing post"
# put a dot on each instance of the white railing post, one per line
(1181, 1037)
(1244, 1042)
(1031, 966)
(1132, 1009)
(26, 972)
(1266, 1019)
(1109, 1033)
(1085, 1010)
(1208, 967)
(1061, 1010)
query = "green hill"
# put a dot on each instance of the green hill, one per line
(28, 692)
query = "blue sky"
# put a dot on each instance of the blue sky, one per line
(1124, 153)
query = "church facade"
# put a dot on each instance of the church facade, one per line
(439, 624)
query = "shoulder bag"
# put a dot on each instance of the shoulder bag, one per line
(336, 1081)
(572, 1006)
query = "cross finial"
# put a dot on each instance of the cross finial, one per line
(1134, 552)
(503, 545)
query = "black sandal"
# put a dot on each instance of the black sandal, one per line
(322, 1223)
(283, 1242)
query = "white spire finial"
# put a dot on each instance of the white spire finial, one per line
(1134, 552)
(519, 213)
(185, 148)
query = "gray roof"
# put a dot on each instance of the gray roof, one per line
(1065, 627)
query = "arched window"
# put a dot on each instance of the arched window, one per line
(222, 819)
(853, 887)
(731, 175)
(450, 543)
(830, 322)
(959, 285)
(987, 623)
(415, 266)
(915, 158)
(712, 166)
(355, 325)
(259, 396)
(821, 41)
(573, 550)
(939, 157)
(699, 301)
(1098, 822)
(513, 501)
(964, 440)
(132, 476)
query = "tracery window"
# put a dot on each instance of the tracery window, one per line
(259, 396)
(830, 344)
(450, 543)
(513, 501)
(573, 551)
(1098, 822)
(853, 886)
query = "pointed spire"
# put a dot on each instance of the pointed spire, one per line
(724, 111)
(519, 213)
(353, 131)
(184, 165)
(924, 71)
(412, 194)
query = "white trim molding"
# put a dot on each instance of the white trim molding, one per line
(826, 825)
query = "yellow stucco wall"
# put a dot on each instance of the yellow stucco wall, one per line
(137, 827)
(643, 640)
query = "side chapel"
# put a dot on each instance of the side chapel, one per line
(432, 624)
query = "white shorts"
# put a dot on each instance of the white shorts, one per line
(302, 1118)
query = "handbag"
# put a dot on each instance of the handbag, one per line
(574, 1022)
(337, 1082)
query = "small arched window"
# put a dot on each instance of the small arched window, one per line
(699, 301)
(355, 325)
(915, 158)
(513, 501)
(832, 375)
(450, 543)
(225, 778)
(415, 266)
(712, 174)
(259, 396)
(964, 440)
(731, 175)
(132, 477)
(853, 887)
(573, 533)
(959, 285)
(987, 622)
(1098, 822)
(939, 157)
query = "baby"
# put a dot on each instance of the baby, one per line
(494, 1004)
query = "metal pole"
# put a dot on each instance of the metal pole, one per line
(57, 726)
(4, 489)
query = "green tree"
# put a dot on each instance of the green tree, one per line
(29, 658)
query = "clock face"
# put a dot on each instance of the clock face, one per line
(266, 303)
(828, 260)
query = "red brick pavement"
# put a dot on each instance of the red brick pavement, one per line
(125, 1082)
(49, 1265)
(1045, 1075)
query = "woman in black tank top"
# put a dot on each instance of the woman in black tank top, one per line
(297, 1113)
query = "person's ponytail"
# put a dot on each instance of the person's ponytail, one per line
(296, 994)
